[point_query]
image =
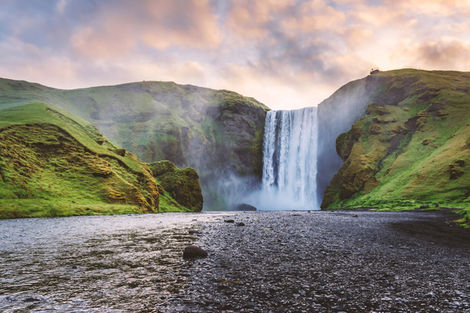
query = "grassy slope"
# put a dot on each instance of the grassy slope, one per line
(54, 164)
(212, 131)
(411, 149)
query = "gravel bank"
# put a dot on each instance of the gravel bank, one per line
(329, 262)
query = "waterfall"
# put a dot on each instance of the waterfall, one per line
(290, 160)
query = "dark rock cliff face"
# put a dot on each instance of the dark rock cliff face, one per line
(232, 162)
(409, 149)
(217, 132)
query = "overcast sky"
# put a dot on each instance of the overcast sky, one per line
(285, 53)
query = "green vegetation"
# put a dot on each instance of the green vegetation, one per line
(54, 164)
(181, 184)
(43, 208)
(411, 149)
(213, 131)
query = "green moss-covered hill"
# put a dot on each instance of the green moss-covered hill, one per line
(182, 184)
(411, 148)
(218, 132)
(55, 164)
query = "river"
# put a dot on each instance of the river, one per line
(278, 261)
(94, 264)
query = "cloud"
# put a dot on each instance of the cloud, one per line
(314, 16)
(290, 39)
(286, 53)
(443, 54)
(358, 36)
(250, 19)
(61, 5)
(119, 30)
(25, 61)
(432, 7)
(283, 93)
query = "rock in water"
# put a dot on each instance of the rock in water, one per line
(194, 252)
(229, 221)
(245, 207)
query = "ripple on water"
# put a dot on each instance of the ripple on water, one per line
(94, 264)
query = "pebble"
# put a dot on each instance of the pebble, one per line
(327, 262)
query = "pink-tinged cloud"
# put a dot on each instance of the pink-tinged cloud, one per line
(120, 29)
(286, 53)
(250, 19)
(432, 7)
(442, 54)
(315, 16)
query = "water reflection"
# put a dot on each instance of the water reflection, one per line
(94, 264)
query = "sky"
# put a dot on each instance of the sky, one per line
(286, 53)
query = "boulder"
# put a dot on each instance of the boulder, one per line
(194, 252)
(245, 207)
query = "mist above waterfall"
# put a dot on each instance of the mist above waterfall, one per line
(336, 115)
(290, 151)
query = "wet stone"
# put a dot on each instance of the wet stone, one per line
(379, 262)
(30, 299)
(325, 262)
(194, 252)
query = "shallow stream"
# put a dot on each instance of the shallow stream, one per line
(94, 264)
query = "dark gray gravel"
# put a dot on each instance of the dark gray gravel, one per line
(277, 262)
(329, 262)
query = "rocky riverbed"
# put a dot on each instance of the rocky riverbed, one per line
(277, 262)
(330, 262)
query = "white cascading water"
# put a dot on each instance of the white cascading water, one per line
(290, 160)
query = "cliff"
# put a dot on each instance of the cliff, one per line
(217, 132)
(411, 147)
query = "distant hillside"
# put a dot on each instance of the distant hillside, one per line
(54, 164)
(217, 132)
(412, 146)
